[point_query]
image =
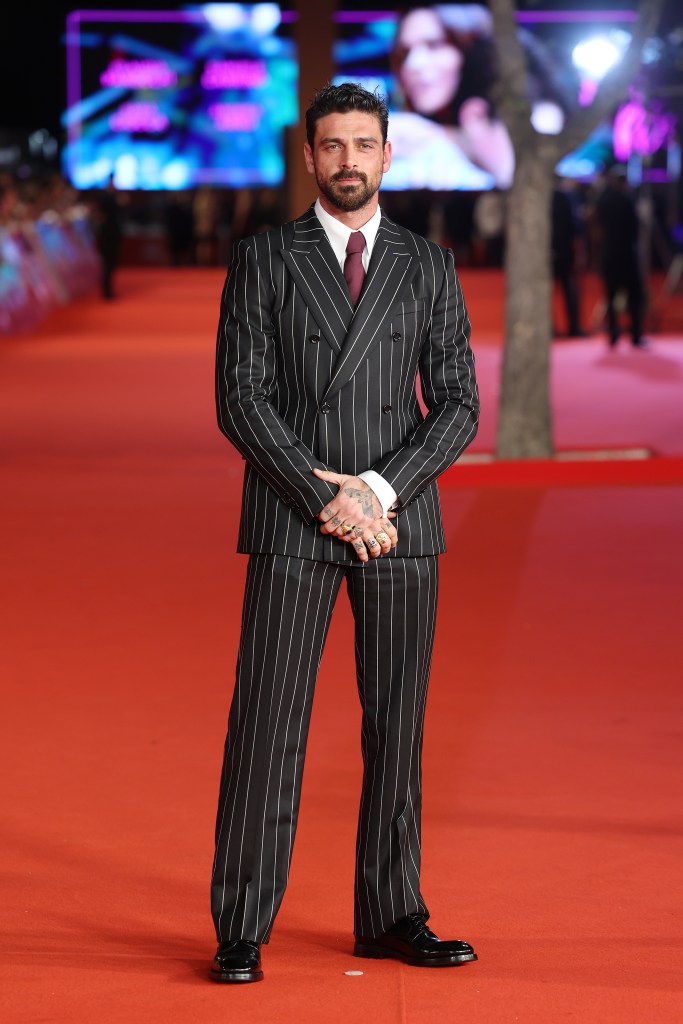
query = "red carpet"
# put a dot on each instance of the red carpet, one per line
(551, 796)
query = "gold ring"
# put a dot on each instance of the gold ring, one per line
(381, 536)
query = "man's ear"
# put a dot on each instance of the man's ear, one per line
(308, 157)
(386, 162)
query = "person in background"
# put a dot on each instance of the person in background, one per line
(489, 226)
(205, 221)
(617, 219)
(108, 233)
(178, 220)
(565, 232)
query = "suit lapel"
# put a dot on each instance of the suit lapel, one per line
(391, 270)
(314, 267)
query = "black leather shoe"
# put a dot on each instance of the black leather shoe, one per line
(237, 960)
(411, 941)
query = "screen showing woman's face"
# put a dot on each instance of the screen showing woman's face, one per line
(430, 65)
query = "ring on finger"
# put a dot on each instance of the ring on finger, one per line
(347, 528)
(382, 537)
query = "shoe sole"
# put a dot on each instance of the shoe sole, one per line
(384, 953)
(240, 977)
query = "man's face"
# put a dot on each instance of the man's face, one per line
(348, 159)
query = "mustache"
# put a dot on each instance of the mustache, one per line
(345, 175)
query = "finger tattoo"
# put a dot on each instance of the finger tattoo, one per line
(336, 521)
(358, 545)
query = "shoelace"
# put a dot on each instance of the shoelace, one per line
(420, 925)
(232, 944)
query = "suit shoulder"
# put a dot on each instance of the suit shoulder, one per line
(270, 240)
(418, 245)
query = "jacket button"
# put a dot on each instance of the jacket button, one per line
(314, 337)
(386, 408)
(396, 336)
(325, 409)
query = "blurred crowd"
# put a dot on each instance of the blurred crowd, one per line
(57, 243)
(48, 254)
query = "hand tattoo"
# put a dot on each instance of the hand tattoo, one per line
(336, 521)
(364, 498)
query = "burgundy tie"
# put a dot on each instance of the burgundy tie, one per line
(354, 271)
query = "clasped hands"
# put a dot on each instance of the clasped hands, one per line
(355, 515)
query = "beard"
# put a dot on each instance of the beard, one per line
(348, 197)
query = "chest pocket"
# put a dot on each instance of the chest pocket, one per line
(407, 320)
(411, 307)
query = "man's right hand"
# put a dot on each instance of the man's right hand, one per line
(377, 539)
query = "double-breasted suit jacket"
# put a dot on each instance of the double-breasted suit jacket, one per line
(303, 380)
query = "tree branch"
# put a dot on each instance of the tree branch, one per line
(510, 92)
(614, 85)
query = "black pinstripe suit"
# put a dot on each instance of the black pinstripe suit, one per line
(304, 380)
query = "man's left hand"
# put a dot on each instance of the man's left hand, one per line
(355, 508)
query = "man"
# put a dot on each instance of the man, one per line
(564, 235)
(324, 324)
(108, 234)
(617, 218)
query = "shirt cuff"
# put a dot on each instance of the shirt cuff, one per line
(385, 493)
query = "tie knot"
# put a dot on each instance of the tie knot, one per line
(356, 242)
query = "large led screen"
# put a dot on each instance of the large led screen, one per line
(436, 66)
(178, 98)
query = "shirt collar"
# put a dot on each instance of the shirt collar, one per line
(338, 233)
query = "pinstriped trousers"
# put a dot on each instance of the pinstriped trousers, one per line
(288, 605)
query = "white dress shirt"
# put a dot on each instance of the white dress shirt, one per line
(338, 237)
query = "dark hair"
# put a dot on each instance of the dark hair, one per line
(478, 71)
(341, 99)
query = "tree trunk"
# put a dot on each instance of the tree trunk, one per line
(524, 429)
